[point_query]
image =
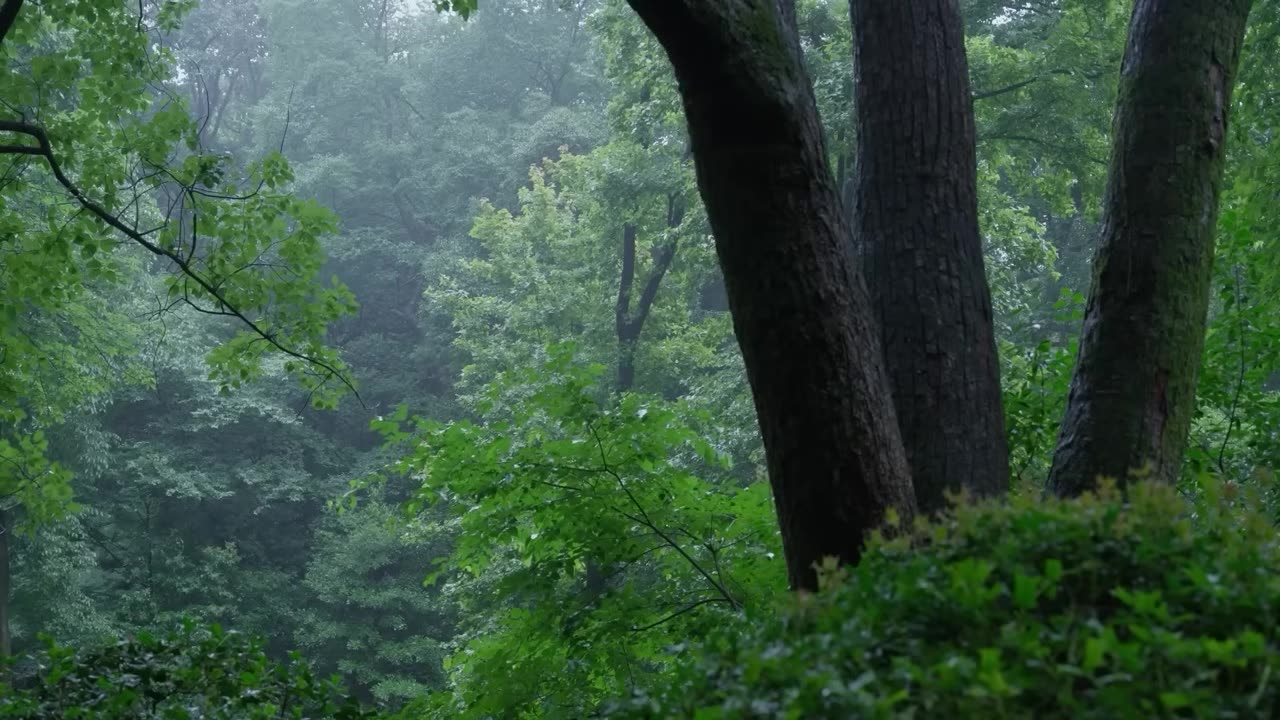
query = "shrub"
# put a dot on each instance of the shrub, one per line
(211, 675)
(1101, 607)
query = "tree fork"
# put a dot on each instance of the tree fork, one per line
(801, 315)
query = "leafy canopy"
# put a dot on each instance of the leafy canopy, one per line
(107, 169)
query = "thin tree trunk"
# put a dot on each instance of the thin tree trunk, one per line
(630, 321)
(627, 328)
(916, 218)
(6, 643)
(801, 316)
(1133, 393)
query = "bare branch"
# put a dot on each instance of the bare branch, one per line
(1014, 87)
(984, 94)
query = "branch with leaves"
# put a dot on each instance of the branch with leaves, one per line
(590, 515)
(44, 149)
(644, 519)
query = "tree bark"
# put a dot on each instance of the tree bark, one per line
(916, 219)
(8, 16)
(802, 317)
(1133, 393)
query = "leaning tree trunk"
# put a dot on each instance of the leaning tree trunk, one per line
(916, 219)
(801, 316)
(1133, 392)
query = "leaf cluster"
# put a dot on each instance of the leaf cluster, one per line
(186, 673)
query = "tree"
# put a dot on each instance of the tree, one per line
(544, 272)
(209, 504)
(1133, 392)
(763, 173)
(1237, 422)
(566, 477)
(370, 616)
(94, 143)
(802, 316)
(916, 218)
(1042, 89)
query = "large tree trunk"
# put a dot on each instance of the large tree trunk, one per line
(916, 219)
(802, 317)
(1133, 393)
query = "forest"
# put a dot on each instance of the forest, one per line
(704, 359)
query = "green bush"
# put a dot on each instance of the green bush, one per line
(1101, 607)
(210, 675)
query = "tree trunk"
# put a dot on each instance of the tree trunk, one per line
(916, 219)
(6, 643)
(629, 321)
(802, 317)
(8, 15)
(1133, 392)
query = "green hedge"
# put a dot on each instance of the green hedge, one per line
(186, 674)
(1100, 607)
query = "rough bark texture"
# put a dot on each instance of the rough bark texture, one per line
(916, 223)
(802, 318)
(1133, 392)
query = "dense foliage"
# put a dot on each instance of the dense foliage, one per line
(182, 674)
(1097, 608)
(218, 218)
(602, 525)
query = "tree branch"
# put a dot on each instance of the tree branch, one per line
(411, 107)
(678, 613)
(660, 267)
(661, 263)
(1075, 152)
(630, 323)
(45, 150)
(645, 520)
(983, 95)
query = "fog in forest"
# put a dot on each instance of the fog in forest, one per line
(438, 343)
